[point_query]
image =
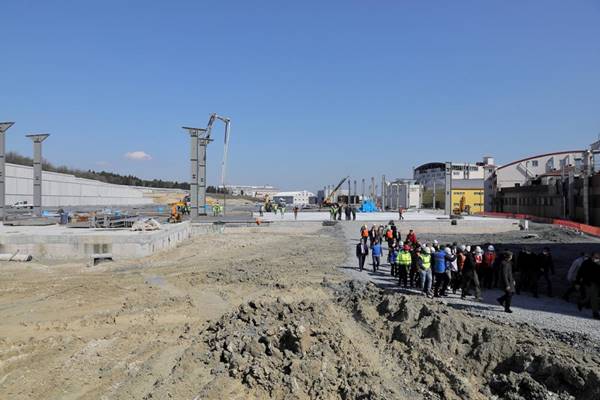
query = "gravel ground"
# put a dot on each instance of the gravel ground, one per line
(551, 314)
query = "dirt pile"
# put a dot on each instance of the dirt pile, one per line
(291, 351)
(371, 344)
(458, 356)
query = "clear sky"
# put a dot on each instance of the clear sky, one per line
(316, 89)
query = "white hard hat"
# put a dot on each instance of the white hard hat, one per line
(478, 250)
(462, 247)
(427, 250)
(435, 242)
(468, 248)
(491, 248)
(448, 251)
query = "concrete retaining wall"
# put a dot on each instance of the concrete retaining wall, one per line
(61, 243)
(67, 190)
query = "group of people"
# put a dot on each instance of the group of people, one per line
(435, 269)
(338, 209)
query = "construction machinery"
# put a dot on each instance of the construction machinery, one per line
(227, 121)
(329, 199)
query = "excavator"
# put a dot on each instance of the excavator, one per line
(329, 199)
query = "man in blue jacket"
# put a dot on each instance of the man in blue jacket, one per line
(376, 253)
(439, 272)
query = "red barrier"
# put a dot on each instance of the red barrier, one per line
(588, 229)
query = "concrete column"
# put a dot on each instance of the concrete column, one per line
(373, 195)
(448, 187)
(363, 188)
(349, 192)
(355, 193)
(383, 192)
(37, 172)
(202, 143)
(194, 134)
(3, 128)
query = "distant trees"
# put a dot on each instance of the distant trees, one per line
(103, 176)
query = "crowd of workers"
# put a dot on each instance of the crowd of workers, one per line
(338, 209)
(435, 269)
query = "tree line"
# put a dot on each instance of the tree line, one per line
(103, 176)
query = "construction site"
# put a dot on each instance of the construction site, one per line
(394, 201)
(188, 296)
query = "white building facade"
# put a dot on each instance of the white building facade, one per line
(402, 194)
(299, 198)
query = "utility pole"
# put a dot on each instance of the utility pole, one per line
(37, 172)
(3, 128)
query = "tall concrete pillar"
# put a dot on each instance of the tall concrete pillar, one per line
(37, 172)
(373, 195)
(355, 193)
(383, 192)
(202, 143)
(193, 132)
(363, 188)
(3, 128)
(448, 187)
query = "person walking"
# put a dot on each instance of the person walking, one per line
(424, 264)
(403, 265)
(439, 271)
(572, 276)
(376, 252)
(340, 211)
(470, 279)
(348, 212)
(353, 210)
(451, 267)
(546, 267)
(589, 277)
(392, 256)
(261, 210)
(362, 251)
(401, 214)
(296, 209)
(507, 281)
(487, 267)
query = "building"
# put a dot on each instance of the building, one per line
(300, 198)
(468, 195)
(467, 179)
(518, 173)
(402, 193)
(259, 192)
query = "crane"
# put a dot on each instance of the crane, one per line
(328, 199)
(227, 121)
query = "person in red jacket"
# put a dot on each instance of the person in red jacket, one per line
(411, 237)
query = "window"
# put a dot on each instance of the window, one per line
(535, 163)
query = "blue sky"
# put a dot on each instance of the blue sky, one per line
(316, 90)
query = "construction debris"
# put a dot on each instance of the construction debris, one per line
(147, 224)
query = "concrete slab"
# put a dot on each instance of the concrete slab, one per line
(58, 242)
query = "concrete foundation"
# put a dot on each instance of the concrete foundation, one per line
(61, 243)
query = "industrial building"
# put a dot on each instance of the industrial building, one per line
(561, 185)
(299, 198)
(259, 192)
(468, 183)
(402, 193)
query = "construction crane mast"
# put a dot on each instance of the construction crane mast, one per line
(328, 199)
(227, 121)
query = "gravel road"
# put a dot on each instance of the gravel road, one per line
(551, 314)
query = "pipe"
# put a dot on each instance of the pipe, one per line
(16, 257)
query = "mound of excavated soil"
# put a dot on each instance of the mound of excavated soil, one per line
(371, 344)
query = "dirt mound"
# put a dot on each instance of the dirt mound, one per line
(458, 356)
(371, 344)
(291, 351)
